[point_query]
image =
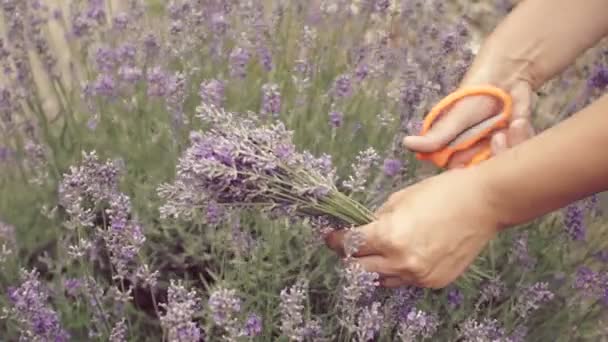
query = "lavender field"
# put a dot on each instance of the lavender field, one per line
(168, 170)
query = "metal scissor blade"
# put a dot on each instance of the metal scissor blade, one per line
(475, 130)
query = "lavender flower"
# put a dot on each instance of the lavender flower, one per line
(73, 286)
(574, 222)
(591, 283)
(362, 168)
(293, 323)
(28, 306)
(342, 86)
(119, 332)
(238, 59)
(532, 298)
(90, 186)
(253, 326)
(225, 306)
(486, 330)
(238, 165)
(106, 59)
(455, 297)
(336, 118)
(519, 252)
(392, 167)
(369, 322)
(105, 85)
(271, 100)
(181, 307)
(358, 286)
(418, 325)
(158, 83)
(599, 78)
(212, 92)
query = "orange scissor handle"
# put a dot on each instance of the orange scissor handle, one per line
(441, 157)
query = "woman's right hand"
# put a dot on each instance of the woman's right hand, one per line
(474, 109)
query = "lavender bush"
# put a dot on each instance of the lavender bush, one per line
(168, 170)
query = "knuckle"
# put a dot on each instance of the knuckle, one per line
(416, 266)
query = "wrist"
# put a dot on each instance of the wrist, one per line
(492, 195)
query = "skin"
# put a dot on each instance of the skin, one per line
(428, 234)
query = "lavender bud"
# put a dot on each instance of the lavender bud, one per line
(238, 59)
(28, 306)
(181, 307)
(392, 167)
(212, 92)
(532, 298)
(486, 330)
(362, 169)
(418, 324)
(271, 100)
(253, 326)
(336, 118)
(342, 86)
(574, 222)
(369, 322)
(224, 306)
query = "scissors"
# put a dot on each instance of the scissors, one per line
(473, 135)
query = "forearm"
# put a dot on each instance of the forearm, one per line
(559, 166)
(538, 40)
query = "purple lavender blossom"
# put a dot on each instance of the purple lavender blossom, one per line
(29, 308)
(253, 326)
(418, 325)
(212, 92)
(519, 251)
(130, 74)
(265, 57)
(599, 78)
(73, 286)
(119, 332)
(225, 306)
(392, 167)
(271, 100)
(127, 54)
(369, 322)
(158, 82)
(362, 168)
(93, 184)
(238, 60)
(485, 330)
(106, 59)
(105, 86)
(591, 283)
(532, 298)
(240, 165)
(293, 323)
(455, 297)
(574, 222)
(342, 86)
(336, 118)
(181, 307)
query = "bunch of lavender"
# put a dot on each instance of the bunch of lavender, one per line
(238, 163)
(29, 307)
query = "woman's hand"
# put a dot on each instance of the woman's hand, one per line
(427, 234)
(469, 111)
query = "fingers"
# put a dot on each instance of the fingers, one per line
(462, 115)
(520, 131)
(360, 241)
(462, 158)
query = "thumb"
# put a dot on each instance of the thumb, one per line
(462, 115)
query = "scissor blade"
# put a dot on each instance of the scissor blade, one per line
(475, 130)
